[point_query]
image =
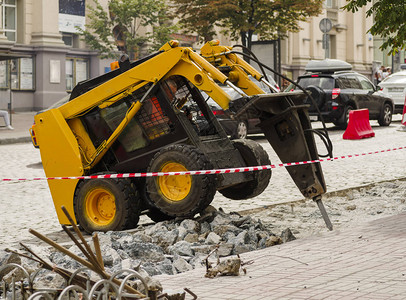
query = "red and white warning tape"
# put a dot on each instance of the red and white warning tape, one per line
(204, 172)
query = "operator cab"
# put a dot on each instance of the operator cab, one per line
(163, 119)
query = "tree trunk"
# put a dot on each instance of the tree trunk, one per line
(246, 43)
(249, 39)
(208, 38)
(243, 38)
(246, 39)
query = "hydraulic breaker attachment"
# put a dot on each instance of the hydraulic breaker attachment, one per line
(284, 121)
(323, 212)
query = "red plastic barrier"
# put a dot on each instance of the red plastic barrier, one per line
(358, 125)
(404, 114)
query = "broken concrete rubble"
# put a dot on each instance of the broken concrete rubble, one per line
(176, 246)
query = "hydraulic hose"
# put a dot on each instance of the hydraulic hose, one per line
(255, 57)
(324, 136)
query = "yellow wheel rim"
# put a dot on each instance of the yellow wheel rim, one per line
(175, 187)
(101, 206)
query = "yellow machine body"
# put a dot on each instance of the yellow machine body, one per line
(60, 156)
(65, 146)
(67, 149)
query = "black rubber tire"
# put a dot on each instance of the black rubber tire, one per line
(318, 95)
(202, 187)
(127, 204)
(254, 155)
(385, 117)
(153, 213)
(343, 122)
(158, 216)
(240, 130)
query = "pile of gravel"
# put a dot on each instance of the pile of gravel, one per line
(168, 247)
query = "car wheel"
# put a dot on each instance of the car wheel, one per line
(241, 131)
(179, 195)
(253, 155)
(106, 204)
(345, 117)
(386, 115)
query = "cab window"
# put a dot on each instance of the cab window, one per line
(132, 137)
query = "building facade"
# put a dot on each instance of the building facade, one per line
(347, 39)
(41, 56)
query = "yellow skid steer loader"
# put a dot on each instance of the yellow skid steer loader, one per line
(133, 119)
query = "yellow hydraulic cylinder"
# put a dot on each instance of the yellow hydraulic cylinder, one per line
(98, 155)
(221, 56)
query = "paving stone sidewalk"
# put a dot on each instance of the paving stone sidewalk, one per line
(366, 262)
(21, 122)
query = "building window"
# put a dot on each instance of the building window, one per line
(9, 19)
(67, 38)
(17, 74)
(332, 3)
(4, 74)
(22, 73)
(71, 15)
(77, 70)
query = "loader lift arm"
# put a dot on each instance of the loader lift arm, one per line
(284, 120)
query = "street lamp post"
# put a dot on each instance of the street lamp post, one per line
(325, 26)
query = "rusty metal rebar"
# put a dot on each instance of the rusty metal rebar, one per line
(94, 263)
(96, 244)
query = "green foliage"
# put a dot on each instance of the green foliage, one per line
(122, 27)
(243, 18)
(389, 21)
(197, 16)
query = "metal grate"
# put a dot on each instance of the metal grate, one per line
(153, 119)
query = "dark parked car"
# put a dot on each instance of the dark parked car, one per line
(237, 129)
(337, 90)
